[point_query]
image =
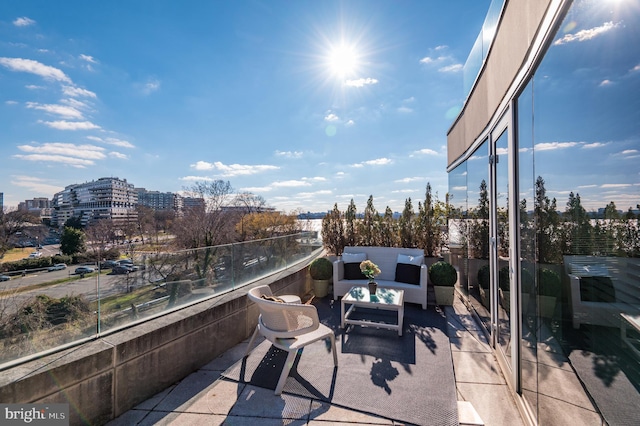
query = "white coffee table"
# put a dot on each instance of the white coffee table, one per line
(385, 298)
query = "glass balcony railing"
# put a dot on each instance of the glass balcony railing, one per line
(53, 310)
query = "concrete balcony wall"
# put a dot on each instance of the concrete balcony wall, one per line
(104, 378)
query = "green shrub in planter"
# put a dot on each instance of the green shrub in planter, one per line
(321, 269)
(443, 274)
(549, 282)
(550, 290)
(484, 277)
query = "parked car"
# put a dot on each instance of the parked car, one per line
(120, 269)
(84, 270)
(4, 278)
(35, 254)
(125, 262)
(57, 267)
(108, 264)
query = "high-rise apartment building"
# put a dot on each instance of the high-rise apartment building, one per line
(105, 198)
(157, 200)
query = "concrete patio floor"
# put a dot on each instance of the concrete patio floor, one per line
(206, 398)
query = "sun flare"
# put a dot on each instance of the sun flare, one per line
(343, 61)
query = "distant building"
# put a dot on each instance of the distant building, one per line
(40, 206)
(157, 200)
(192, 202)
(105, 198)
(1, 201)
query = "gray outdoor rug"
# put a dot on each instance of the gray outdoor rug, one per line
(408, 378)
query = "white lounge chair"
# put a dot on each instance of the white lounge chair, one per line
(290, 327)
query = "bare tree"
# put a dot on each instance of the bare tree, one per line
(16, 223)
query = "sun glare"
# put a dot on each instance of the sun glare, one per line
(343, 61)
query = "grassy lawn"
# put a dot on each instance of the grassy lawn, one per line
(16, 254)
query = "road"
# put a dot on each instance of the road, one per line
(88, 286)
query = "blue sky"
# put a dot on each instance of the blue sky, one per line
(305, 103)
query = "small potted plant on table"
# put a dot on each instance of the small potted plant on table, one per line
(370, 270)
(321, 271)
(444, 277)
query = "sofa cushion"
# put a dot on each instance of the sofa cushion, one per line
(354, 257)
(409, 274)
(352, 271)
(410, 260)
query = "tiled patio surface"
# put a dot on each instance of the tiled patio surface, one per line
(205, 398)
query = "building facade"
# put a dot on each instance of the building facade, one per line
(157, 200)
(105, 198)
(544, 183)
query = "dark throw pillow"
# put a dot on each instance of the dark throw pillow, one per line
(597, 289)
(352, 272)
(409, 274)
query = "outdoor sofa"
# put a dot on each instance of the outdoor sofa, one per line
(401, 268)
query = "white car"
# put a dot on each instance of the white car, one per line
(35, 254)
(57, 267)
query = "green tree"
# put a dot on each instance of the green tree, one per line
(333, 231)
(578, 229)
(388, 229)
(406, 225)
(350, 224)
(547, 226)
(369, 224)
(72, 241)
(479, 226)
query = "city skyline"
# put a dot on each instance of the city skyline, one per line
(306, 104)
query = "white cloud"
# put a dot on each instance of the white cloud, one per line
(360, 82)
(409, 100)
(256, 189)
(290, 184)
(588, 34)
(605, 83)
(350, 123)
(23, 22)
(313, 194)
(615, 185)
(424, 151)
(196, 179)
(289, 154)
(405, 110)
(427, 60)
(76, 92)
(546, 146)
(409, 179)
(61, 110)
(71, 161)
(112, 141)
(11, 102)
(451, 68)
(233, 169)
(33, 87)
(70, 125)
(152, 85)
(376, 162)
(35, 184)
(331, 117)
(315, 179)
(403, 191)
(118, 155)
(88, 59)
(91, 152)
(34, 67)
(594, 145)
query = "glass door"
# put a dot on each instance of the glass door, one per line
(501, 259)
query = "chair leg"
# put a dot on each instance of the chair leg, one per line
(333, 349)
(253, 337)
(291, 355)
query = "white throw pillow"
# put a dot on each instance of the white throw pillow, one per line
(353, 257)
(410, 260)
